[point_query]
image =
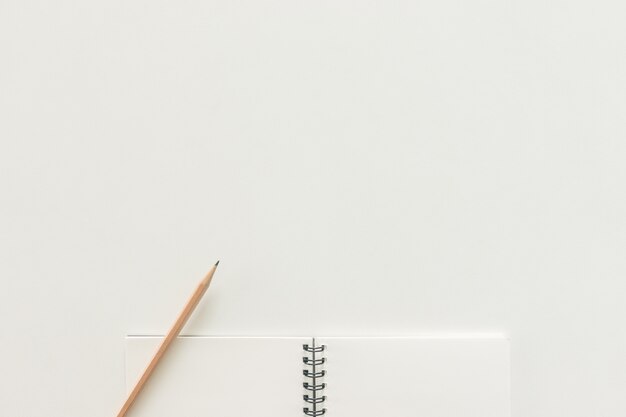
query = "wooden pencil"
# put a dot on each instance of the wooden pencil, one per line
(171, 336)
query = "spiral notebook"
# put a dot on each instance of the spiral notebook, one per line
(427, 376)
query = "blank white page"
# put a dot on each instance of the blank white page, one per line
(365, 377)
(218, 376)
(421, 376)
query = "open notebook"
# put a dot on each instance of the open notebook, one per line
(425, 376)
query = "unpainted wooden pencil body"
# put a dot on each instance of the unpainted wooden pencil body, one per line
(171, 336)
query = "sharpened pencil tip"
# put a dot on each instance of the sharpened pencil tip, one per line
(217, 263)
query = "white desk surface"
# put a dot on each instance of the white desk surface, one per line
(358, 167)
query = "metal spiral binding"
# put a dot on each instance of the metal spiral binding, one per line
(313, 361)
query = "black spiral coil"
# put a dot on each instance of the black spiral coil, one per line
(313, 361)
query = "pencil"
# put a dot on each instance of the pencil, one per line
(171, 336)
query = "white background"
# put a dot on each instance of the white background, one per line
(359, 168)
